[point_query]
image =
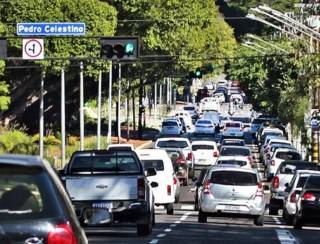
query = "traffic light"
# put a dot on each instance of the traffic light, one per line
(119, 48)
(198, 73)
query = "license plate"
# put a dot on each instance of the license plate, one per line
(202, 160)
(106, 205)
(231, 208)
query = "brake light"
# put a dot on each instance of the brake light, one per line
(308, 197)
(174, 181)
(293, 197)
(273, 162)
(62, 234)
(260, 191)
(250, 160)
(141, 189)
(169, 190)
(275, 182)
(189, 156)
(206, 188)
(181, 160)
(215, 154)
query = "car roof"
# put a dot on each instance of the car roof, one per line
(21, 160)
(233, 168)
(121, 146)
(231, 146)
(173, 139)
(204, 143)
(307, 171)
(233, 157)
(152, 153)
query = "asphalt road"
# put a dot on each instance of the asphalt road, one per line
(183, 226)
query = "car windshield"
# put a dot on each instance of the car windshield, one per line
(157, 164)
(233, 162)
(202, 147)
(234, 151)
(124, 161)
(26, 194)
(172, 144)
(287, 168)
(169, 123)
(233, 178)
(288, 155)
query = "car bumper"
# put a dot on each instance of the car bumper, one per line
(120, 211)
(310, 214)
(252, 208)
(232, 135)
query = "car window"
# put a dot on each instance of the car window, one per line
(26, 193)
(233, 178)
(237, 125)
(172, 144)
(169, 123)
(232, 162)
(202, 147)
(241, 119)
(313, 182)
(112, 162)
(157, 164)
(175, 155)
(188, 108)
(233, 142)
(288, 155)
(302, 180)
(204, 122)
(287, 168)
(234, 151)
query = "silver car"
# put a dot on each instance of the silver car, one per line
(232, 191)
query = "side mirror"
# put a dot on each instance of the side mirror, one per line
(154, 184)
(151, 172)
(286, 185)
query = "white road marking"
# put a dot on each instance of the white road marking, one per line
(154, 241)
(168, 230)
(159, 207)
(177, 222)
(285, 237)
(187, 207)
(173, 225)
(161, 235)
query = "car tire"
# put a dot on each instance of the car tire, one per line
(273, 210)
(185, 182)
(153, 218)
(177, 199)
(288, 219)
(202, 217)
(196, 206)
(259, 220)
(297, 223)
(170, 208)
(144, 229)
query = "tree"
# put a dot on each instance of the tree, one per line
(4, 87)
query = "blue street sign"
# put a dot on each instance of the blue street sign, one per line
(51, 29)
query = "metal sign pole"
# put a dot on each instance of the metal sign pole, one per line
(81, 108)
(119, 101)
(41, 122)
(99, 110)
(160, 99)
(155, 103)
(110, 103)
(63, 120)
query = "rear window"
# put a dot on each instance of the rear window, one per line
(237, 125)
(112, 162)
(175, 155)
(233, 142)
(26, 194)
(169, 123)
(202, 147)
(288, 155)
(204, 122)
(287, 168)
(241, 119)
(301, 181)
(188, 108)
(234, 151)
(157, 164)
(233, 162)
(233, 178)
(258, 121)
(313, 182)
(172, 144)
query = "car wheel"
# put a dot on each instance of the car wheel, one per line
(170, 208)
(297, 223)
(196, 205)
(273, 210)
(202, 217)
(177, 199)
(185, 181)
(144, 229)
(153, 218)
(259, 220)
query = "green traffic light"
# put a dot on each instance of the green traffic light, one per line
(129, 48)
(198, 73)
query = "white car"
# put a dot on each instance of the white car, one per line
(205, 126)
(205, 153)
(233, 129)
(220, 96)
(164, 193)
(170, 127)
(192, 110)
(243, 162)
(121, 147)
(280, 155)
(187, 120)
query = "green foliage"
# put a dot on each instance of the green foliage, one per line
(16, 141)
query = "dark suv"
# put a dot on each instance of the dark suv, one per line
(34, 207)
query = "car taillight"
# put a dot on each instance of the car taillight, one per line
(62, 234)
(308, 197)
(215, 154)
(206, 188)
(260, 191)
(275, 183)
(273, 162)
(169, 190)
(250, 160)
(141, 189)
(189, 156)
(174, 180)
(293, 197)
(181, 160)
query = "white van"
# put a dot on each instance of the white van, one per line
(164, 193)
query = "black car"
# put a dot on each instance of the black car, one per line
(308, 203)
(34, 207)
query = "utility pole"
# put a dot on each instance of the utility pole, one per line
(81, 108)
(155, 103)
(63, 120)
(119, 101)
(99, 110)
(110, 104)
(41, 121)
(160, 99)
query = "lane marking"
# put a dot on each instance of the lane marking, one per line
(154, 241)
(168, 230)
(173, 225)
(177, 222)
(285, 237)
(161, 235)
(187, 207)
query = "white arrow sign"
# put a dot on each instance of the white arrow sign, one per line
(32, 49)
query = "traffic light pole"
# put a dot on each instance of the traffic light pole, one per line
(110, 103)
(63, 120)
(119, 101)
(41, 121)
(81, 108)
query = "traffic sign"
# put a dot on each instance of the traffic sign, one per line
(32, 49)
(51, 29)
